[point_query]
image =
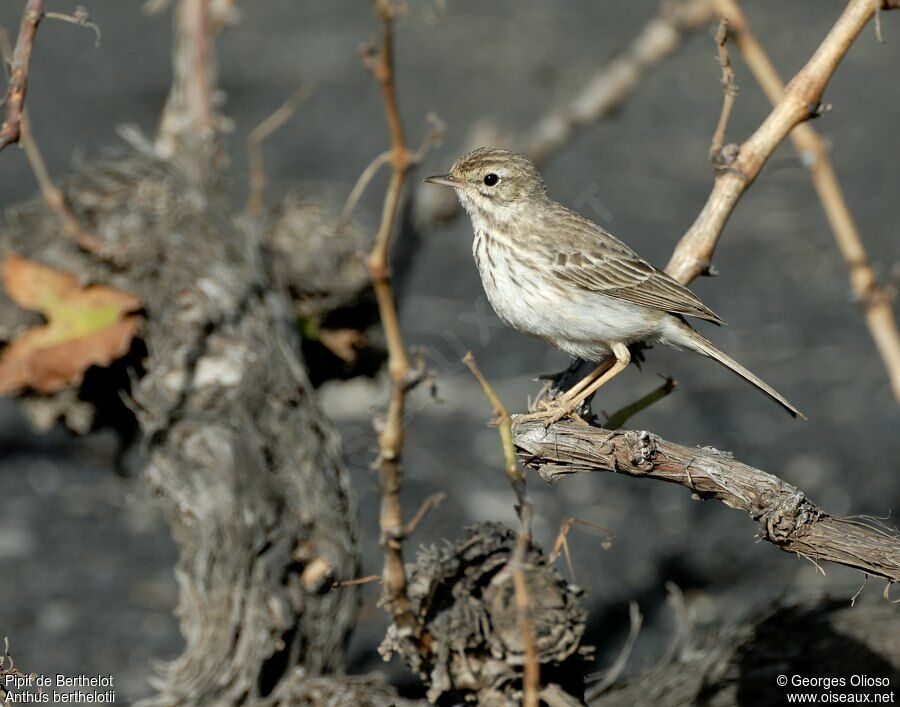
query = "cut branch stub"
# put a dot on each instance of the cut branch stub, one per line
(463, 598)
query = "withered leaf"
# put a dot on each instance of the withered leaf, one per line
(86, 326)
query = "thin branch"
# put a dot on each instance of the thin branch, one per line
(360, 187)
(609, 87)
(562, 544)
(874, 300)
(622, 415)
(80, 17)
(716, 154)
(786, 517)
(531, 681)
(799, 102)
(381, 64)
(53, 195)
(403, 376)
(604, 92)
(10, 131)
(258, 180)
(532, 678)
(635, 621)
(356, 582)
(428, 505)
(514, 475)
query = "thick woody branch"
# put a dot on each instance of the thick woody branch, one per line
(874, 300)
(786, 517)
(189, 125)
(11, 129)
(799, 102)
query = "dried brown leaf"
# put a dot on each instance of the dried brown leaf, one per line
(86, 326)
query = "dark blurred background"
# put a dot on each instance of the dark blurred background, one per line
(87, 580)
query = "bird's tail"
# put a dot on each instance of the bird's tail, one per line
(689, 338)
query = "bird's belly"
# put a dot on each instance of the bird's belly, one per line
(578, 321)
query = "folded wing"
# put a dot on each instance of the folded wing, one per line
(622, 274)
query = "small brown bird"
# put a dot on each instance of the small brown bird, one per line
(555, 275)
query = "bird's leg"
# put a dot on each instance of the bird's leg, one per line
(571, 401)
(546, 406)
(587, 380)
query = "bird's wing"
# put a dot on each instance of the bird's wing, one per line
(614, 270)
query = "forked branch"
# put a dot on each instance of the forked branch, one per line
(874, 300)
(799, 102)
(601, 95)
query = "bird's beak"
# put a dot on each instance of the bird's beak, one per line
(442, 179)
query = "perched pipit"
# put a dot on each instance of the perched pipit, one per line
(555, 275)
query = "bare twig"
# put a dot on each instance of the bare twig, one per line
(562, 543)
(53, 195)
(428, 505)
(622, 415)
(10, 131)
(356, 582)
(799, 102)
(360, 186)
(874, 300)
(787, 518)
(258, 181)
(403, 376)
(599, 97)
(531, 682)
(525, 511)
(606, 90)
(80, 17)
(716, 154)
(635, 621)
(514, 475)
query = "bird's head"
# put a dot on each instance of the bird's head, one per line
(494, 184)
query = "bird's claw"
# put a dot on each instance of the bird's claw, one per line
(551, 411)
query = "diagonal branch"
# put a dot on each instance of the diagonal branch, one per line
(874, 299)
(609, 87)
(601, 95)
(799, 102)
(256, 165)
(11, 129)
(531, 679)
(786, 517)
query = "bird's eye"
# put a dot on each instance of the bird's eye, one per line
(491, 179)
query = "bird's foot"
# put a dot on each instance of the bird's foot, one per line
(550, 411)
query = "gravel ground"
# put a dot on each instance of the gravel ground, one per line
(88, 584)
